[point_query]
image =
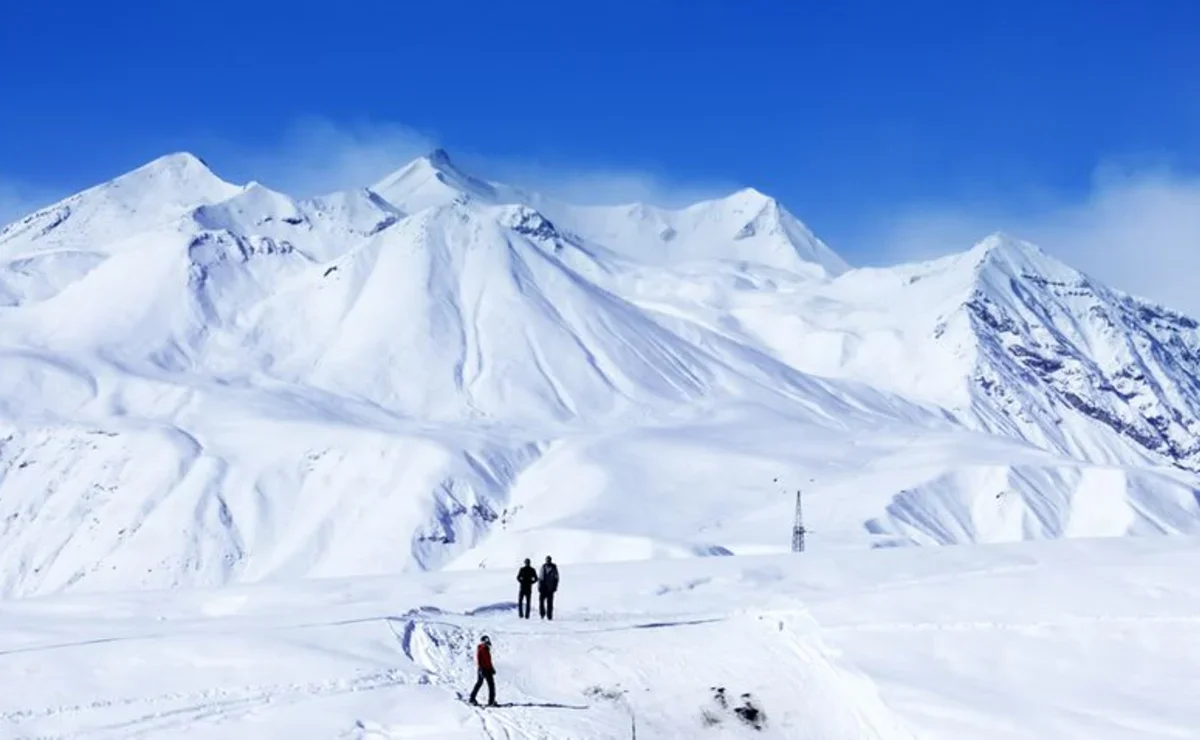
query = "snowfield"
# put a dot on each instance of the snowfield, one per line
(203, 383)
(268, 467)
(1055, 640)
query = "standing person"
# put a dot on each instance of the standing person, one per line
(546, 588)
(526, 576)
(483, 664)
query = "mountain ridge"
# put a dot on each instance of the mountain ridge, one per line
(203, 382)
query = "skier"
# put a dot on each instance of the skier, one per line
(546, 588)
(526, 576)
(483, 662)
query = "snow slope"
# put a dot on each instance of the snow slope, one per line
(1056, 641)
(1011, 341)
(203, 383)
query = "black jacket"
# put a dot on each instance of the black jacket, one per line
(527, 576)
(549, 582)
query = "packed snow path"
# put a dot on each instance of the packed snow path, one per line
(1056, 641)
(678, 664)
(566, 679)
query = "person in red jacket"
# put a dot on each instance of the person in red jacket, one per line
(483, 662)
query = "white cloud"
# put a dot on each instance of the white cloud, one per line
(315, 156)
(1137, 231)
(584, 185)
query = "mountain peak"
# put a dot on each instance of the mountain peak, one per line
(1005, 243)
(145, 197)
(179, 159)
(750, 195)
(439, 158)
(431, 180)
(1017, 256)
(436, 161)
(184, 169)
(178, 177)
(176, 166)
(768, 216)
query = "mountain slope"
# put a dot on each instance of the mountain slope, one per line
(746, 227)
(203, 382)
(1009, 340)
(1126, 364)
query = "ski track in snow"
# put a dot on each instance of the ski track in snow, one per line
(170, 711)
(923, 644)
(829, 702)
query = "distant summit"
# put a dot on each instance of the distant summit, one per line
(204, 382)
(432, 180)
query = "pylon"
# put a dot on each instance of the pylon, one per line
(798, 528)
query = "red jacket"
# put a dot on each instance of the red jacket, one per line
(483, 658)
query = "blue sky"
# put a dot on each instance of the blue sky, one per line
(892, 129)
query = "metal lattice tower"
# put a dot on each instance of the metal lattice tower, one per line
(798, 528)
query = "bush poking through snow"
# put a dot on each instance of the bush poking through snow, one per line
(748, 712)
(751, 714)
(596, 692)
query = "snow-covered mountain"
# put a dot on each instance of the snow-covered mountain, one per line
(1011, 341)
(202, 382)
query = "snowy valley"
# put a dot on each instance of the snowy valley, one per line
(225, 391)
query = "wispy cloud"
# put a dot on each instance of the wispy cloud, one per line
(316, 156)
(595, 185)
(1136, 230)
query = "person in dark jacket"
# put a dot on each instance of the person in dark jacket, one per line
(483, 664)
(526, 576)
(547, 585)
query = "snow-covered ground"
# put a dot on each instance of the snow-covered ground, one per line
(1058, 640)
(404, 390)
